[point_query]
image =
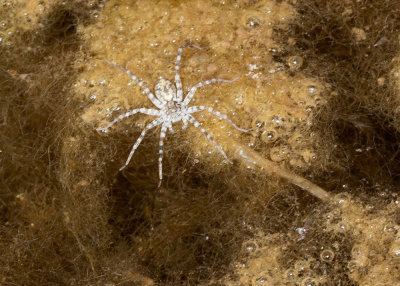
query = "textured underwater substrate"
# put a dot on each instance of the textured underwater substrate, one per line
(318, 89)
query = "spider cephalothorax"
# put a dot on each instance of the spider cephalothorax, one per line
(172, 108)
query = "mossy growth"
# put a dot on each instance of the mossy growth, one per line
(316, 89)
(395, 81)
(21, 15)
(279, 115)
(345, 242)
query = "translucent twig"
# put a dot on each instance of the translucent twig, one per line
(249, 156)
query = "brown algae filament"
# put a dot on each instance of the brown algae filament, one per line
(249, 156)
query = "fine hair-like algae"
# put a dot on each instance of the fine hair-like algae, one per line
(36, 72)
(279, 115)
(316, 88)
(343, 243)
(268, 97)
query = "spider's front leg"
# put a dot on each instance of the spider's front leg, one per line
(178, 81)
(192, 91)
(145, 89)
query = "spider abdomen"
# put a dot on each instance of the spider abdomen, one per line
(165, 90)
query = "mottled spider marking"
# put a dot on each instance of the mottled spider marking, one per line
(165, 90)
(171, 109)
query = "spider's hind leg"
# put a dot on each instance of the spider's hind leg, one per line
(170, 128)
(161, 152)
(209, 137)
(184, 126)
(194, 109)
(139, 140)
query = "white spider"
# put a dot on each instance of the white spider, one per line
(172, 108)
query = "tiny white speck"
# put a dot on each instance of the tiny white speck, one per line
(252, 67)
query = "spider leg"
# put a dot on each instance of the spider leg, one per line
(194, 109)
(178, 81)
(170, 128)
(184, 126)
(130, 113)
(209, 137)
(192, 91)
(139, 140)
(161, 152)
(147, 91)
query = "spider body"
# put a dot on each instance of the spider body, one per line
(172, 108)
(165, 90)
